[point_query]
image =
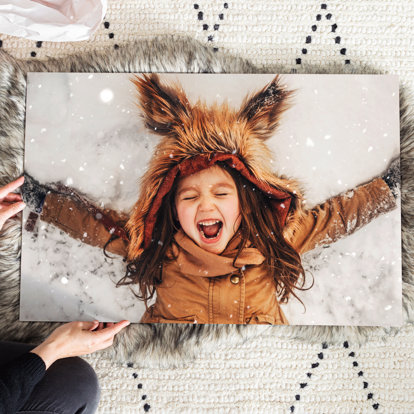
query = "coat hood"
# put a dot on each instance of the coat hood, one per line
(195, 137)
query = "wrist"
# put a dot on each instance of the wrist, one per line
(48, 353)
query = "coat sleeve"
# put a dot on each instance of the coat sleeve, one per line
(340, 216)
(76, 219)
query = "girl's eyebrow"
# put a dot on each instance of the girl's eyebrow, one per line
(195, 187)
(223, 184)
(188, 188)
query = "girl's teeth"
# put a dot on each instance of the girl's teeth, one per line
(209, 223)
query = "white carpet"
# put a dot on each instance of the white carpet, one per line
(270, 375)
(374, 32)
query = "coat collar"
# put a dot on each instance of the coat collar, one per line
(195, 261)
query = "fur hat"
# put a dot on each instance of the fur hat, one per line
(194, 137)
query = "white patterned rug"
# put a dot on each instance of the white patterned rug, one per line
(267, 373)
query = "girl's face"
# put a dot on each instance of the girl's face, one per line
(207, 206)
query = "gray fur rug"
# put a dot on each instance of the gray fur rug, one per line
(169, 345)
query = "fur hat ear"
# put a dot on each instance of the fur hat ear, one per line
(165, 108)
(262, 111)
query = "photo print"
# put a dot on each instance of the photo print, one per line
(212, 198)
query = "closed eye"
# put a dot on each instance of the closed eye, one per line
(189, 198)
(222, 194)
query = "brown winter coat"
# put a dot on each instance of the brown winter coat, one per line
(203, 287)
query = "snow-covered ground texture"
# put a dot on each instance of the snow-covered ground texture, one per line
(85, 130)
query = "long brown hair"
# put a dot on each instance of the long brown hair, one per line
(146, 270)
(258, 225)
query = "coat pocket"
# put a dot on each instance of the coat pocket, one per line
(182, 319)
(261, 320)
(152, 315)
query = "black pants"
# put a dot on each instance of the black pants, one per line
(69, 386)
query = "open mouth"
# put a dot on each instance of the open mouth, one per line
(210, 229)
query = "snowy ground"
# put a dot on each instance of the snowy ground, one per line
(85, 130)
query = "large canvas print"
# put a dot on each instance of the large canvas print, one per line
(207, 198)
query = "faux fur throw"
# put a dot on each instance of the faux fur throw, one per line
(155, 345)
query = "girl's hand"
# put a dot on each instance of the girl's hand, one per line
(10, 203)
(77, 338)
(393, 176)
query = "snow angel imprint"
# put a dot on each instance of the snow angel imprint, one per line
(215, 236)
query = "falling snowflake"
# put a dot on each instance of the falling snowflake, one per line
(106, 95)
(309, 142)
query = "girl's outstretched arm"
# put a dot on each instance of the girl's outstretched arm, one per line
(75, 215)
(344, 214)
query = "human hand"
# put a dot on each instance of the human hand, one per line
(10, 203)
(77, 338)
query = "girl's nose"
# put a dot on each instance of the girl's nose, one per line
(206, 204)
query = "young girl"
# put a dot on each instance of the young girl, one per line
(215, 233)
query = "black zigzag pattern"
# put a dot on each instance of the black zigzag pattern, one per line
(323, 14)
(146, 407)
(206, 27)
